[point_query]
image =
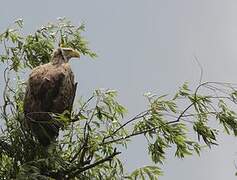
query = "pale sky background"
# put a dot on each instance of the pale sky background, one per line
(149, 45)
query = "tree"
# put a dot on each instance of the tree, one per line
(89, 142)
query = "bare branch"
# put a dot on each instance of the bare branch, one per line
(80, 170)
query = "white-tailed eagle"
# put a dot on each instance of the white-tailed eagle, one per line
(50, 89)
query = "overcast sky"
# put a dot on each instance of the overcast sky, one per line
(149, 45)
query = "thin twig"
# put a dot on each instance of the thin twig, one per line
(138, 116)
(81, 109)
(201, 68)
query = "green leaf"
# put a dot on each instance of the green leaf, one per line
(151, 172)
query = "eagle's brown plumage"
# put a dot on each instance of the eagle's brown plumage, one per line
(50, 89)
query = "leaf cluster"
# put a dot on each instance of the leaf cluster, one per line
(35, 49)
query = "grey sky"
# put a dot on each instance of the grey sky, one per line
(149, 46)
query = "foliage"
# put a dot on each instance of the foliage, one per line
(98, 129)
(35, 49)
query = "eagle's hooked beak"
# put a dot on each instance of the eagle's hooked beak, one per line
(70, 53)
(74, 53)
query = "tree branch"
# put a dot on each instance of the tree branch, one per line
(80, 170)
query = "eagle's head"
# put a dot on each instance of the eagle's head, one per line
(63, 55)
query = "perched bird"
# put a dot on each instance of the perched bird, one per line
(50, 89)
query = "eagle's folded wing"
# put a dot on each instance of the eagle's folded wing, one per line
(50, 90)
